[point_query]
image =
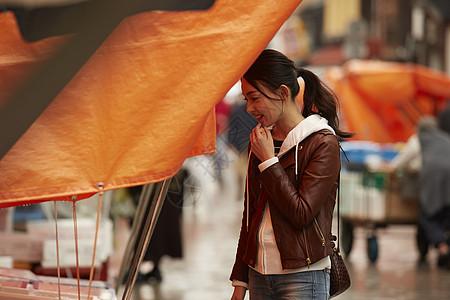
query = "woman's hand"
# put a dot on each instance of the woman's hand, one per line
(239, 293)
(262, 143)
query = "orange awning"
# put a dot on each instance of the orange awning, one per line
(382, 101)
(140, 106)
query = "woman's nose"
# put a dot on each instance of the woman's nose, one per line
(249, 107)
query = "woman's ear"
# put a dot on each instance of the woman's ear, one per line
(285, 92)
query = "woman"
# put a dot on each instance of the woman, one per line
(292, 178)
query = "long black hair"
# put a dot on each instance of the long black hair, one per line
(272, 69)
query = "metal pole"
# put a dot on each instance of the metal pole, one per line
(149, 226)
(138, 220)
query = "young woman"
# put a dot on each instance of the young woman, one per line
(292, 178)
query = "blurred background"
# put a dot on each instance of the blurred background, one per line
(389, 63)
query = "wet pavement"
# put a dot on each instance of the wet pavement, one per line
(211, 229)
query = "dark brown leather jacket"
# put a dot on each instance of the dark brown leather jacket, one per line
(301, 208)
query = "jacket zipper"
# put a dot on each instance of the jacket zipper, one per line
(308, 259)
(319, 232)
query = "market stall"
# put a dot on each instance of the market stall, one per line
(382, 103)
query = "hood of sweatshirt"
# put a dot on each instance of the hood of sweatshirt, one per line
(305, 128)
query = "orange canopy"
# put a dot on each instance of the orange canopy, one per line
(140, 106)
(382, 101)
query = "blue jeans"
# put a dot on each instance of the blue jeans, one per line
(303, 285)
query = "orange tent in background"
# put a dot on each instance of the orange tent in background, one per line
(140, 106)
(383, 101)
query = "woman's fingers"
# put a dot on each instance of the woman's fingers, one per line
(260, 131)
(267, 132)
(262, 143)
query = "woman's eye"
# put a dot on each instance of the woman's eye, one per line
(251, 99)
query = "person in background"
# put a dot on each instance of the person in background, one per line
(423, 154)
(435, 187)
(292, 178)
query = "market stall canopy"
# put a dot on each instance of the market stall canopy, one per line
(139, 106)
(38, 19)
(383, 101)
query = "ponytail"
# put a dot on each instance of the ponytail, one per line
(318, 98)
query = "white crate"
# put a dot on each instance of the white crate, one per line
(66, 237)
(370, 204)
(6, 261)
(85, 228)
(67, 254)
(361, 202)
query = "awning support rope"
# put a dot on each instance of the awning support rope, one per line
(99, 209)
(76, 246)
(57, 252)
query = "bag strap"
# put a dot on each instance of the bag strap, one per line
(338, 200)
(338, 210)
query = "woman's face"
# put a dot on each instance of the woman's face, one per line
(265, 110)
